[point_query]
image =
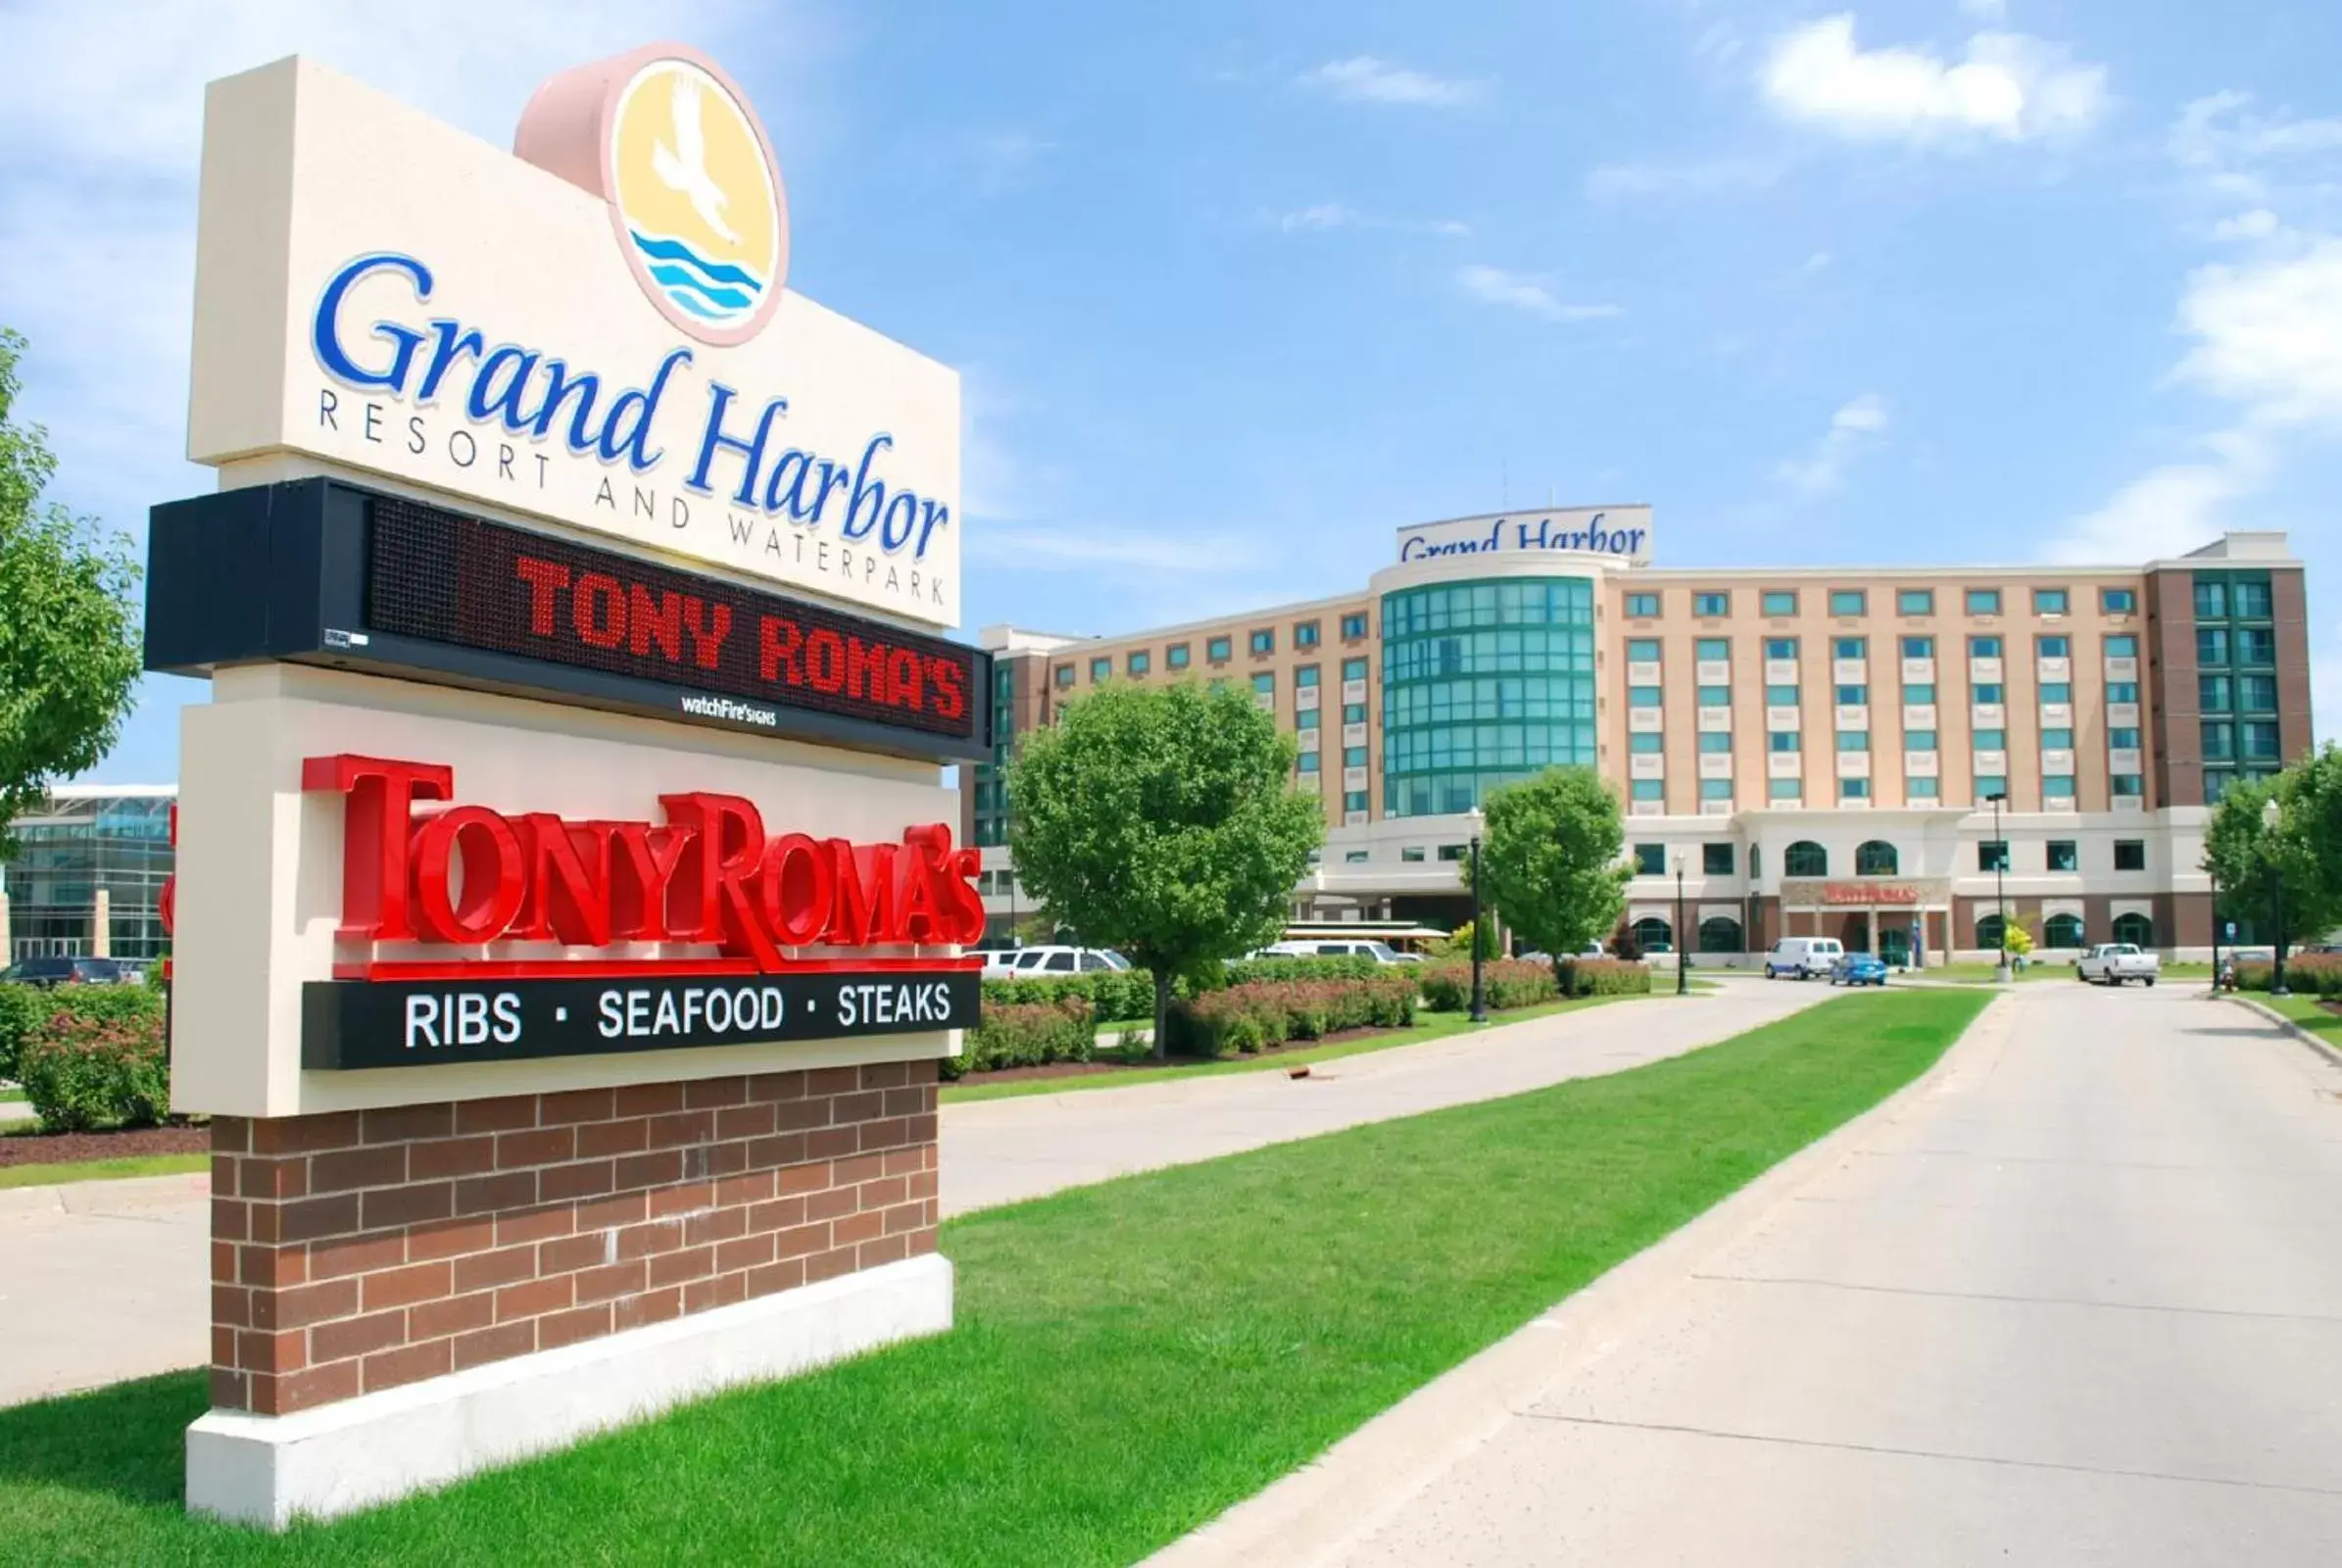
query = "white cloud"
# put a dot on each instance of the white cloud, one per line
(1854, 428)
(2268, 334)
(1521, 291)
(2259, 223)
(1985, 10)
(1713, 177)
(2009, 87)
(1323, 216)
(2166, 512)
(2219, 130)
(1363, 78)
(1818, 262)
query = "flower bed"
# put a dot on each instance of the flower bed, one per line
(2318, 973)
(1262, 1014)
(1505, 982)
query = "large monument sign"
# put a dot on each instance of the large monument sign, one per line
(567, 921)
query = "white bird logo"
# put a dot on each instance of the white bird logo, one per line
(684, 167)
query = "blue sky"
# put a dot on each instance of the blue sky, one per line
(1237, 289)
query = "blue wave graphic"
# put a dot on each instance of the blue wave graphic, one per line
(705, 313)
(680, 282)
(666, 248)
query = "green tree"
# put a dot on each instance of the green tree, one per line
(1458, 944)
(1162, 821)
(69, 647)
(1551, 860)
(2250, 858)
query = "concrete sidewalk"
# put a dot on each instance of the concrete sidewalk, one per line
(104, 1281)
(2074, 1298)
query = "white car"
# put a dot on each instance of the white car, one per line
(1025, 963)
(1803, 957)
(2115, 964)
(1378, 951)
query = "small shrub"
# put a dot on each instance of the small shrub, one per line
(1604, 977)
(83, 1073)
(2318, 973)
(27, 1009)
(1506, 983)
(1110, 992)
(1026, 1034)
(1264, 1013)
(1342, 967)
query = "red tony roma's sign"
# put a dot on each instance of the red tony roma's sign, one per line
(770, 917)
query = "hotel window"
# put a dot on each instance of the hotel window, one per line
(1353, 856)
(1849, 602)
(1783, 789)
(1353, 757)
(1353, 713)
(1063, 676)
(2124, 646)
(2212, 645)
(1645, 742)
(1853, 789)
(2056, 740)
(1309, 757)
(1782, 740)
(1264, 640)
(1306, 719)
(2255, 645)
(1651, 859)
(1918, 648)
(1713, 650)
(1715, 696)
(1992, 854)
(2260, 738)
(2122, 691)
(1716, 859)
(2117, 601)
(2256, 694)
(1984, 648)
(1983, 600)
(1305, 634)
(1642, 697)
(2252, 600)
(1852, 647)
(1915, 602)
(1920, 789)
(1643, 607)
(2058, 787)
(1099, 670)
(1992, 740)
(2057, 690)
(2054, 646)
(1990, 785)
(1139, 662)
(1264, 684)
(1412, 854)
(2050, 601)
(1987, 691)
(2212, 599)
(1781, 602)
(1780, 648)
(2065, 855)
(1176, 655)
(1217, 650)
(1919, 740)
(1354, 801)
(2130, 855)
(1354, 669)
(1715, 740)
(1642, 651)
(2123, 737)
(1853, 739)
(1306, 675)
(1920, 695)
(1454, 852)
(1709, 605)
(2130, 786)
(1649, 788)
(1353, 627)
(1715, 789)
(1854, 697)
(1781, 696)
(2219, 740)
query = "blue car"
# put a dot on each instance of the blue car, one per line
(1858, 969)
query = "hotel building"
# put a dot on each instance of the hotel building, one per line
(1812, 751)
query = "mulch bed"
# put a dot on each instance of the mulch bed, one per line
(1088, 1069)
(66, 1149)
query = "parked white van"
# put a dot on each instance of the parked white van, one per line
(1803, 957)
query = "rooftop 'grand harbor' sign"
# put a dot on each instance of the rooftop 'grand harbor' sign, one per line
(1620, 533)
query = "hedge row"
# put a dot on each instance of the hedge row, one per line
(1262, 1014)
(27, 1009)
(1505, 982)
(1604, 977)
(1029, 1034)
(1129, 993)
(83, 1072)
(2313, 972)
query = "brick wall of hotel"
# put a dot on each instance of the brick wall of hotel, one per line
(1816, 747)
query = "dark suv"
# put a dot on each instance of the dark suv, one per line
(71, 972)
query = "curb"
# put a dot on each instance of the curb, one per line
(85, 1196)
(2271, 1015)
(1315, 1513)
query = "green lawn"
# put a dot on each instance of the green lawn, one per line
(1427, 1026)
(1131, 1357)
(2305, 1011)
(102, 1170)
(2053, 970)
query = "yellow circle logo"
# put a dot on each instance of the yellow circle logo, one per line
(694, 191)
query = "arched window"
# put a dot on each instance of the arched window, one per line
(1654, 935)
(1805, 857)
(1989, 930)
(1720, 933)
(2062, 931)
(1876, 858)
(2135, 928)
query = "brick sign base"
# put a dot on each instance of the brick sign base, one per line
(367, 1264)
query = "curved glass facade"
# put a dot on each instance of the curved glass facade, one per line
(1484, 683)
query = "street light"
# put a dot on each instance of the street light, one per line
(2000, 885)
(2213, 877)
(2269, 816)
(1479, 995)
(1683, 953)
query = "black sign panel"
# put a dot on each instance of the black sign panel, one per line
(413, 1023)
(322, 572)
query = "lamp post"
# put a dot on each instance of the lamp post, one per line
(2000, 886)
(2213, 877)
(1479, 995)
(2269, 815)
(1683, 953)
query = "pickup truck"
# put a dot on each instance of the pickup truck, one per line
(2115, 962)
